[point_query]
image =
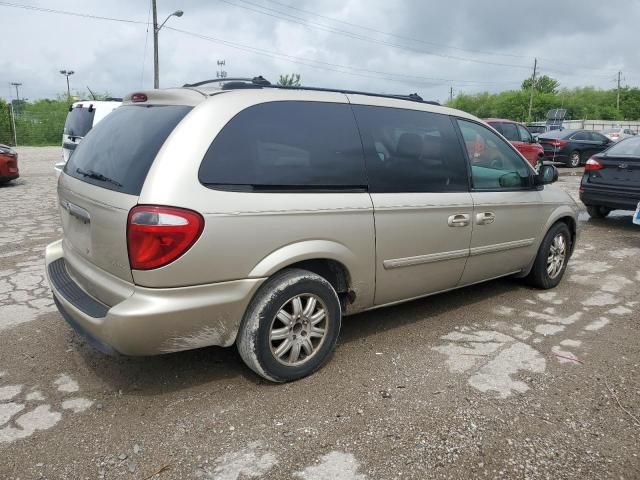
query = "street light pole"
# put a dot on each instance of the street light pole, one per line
(67, 73)
(16, 84)
(156, 30)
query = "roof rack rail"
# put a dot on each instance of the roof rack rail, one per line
(261, 82)
(258, 81)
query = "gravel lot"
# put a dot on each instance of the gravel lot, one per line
(493, 381)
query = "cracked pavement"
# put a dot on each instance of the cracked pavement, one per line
(492, 381)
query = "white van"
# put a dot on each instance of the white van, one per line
(82, 117)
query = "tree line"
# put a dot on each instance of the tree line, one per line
(580, 102)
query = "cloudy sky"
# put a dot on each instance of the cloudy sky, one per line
(398, 46)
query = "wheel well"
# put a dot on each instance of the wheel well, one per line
(332, 271)
(571, 223)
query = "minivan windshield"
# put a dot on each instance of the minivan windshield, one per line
(79, 121)
(119, 151)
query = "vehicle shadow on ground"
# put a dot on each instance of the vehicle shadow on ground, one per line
(424, 310)
(621, 220)
(149, 376)
(11, 184)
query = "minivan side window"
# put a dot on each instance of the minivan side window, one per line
(287, 145)
(494, 163)
(410, 151)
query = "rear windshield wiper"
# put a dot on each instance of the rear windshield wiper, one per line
(97, 176)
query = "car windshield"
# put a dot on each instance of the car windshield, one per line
(536, 128)
(629, 147)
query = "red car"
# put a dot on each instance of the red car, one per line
(520, 138)
(8, 164)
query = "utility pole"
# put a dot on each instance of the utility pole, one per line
(221, 73)
(533, 84)
(156, 73)
(451, 94)
(618, 99)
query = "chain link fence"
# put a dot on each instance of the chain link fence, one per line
(32, 124)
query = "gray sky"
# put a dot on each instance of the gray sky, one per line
(406, 46)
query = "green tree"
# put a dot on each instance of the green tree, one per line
(544, 84)
(292, 80)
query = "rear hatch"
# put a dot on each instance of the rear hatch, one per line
(620, 166)
(102, 182)
(78, 123)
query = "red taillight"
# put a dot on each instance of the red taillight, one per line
(558, 143)
(592, 165)
(138, 97)
(156, 236)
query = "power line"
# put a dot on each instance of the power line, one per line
(66, 12)
(430, 81)
(301, 21)
(144, 52)
(402, 37)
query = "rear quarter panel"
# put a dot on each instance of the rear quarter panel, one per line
(251, 235)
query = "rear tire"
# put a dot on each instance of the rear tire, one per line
(291, 326)
(596, 211)
(575, 159)
(551, 260)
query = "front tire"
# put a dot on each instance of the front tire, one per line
(551, 260)
(291, 326)
(595, 211)
(574, 159)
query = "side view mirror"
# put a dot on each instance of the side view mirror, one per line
(546, 174)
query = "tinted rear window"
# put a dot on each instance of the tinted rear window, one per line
(628, 147)
(123, 146)
(287, 145)
(79, 121)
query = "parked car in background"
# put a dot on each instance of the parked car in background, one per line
(259, 215)
(618, 133)
(82, 117)
(8, 164)
(572, 147)
(538, 128)
(520, 138)
(611, 179)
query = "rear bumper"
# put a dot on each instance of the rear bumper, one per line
(8, 178)
(152, 320)
(613, 199)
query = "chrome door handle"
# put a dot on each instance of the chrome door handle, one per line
(459, 220)
(485, 218)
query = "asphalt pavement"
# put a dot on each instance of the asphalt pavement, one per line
(493, 381)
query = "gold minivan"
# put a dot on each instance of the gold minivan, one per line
(259, 215)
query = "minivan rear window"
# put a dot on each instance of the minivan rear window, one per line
(289, 146)
(79, 121)
(119, 151)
